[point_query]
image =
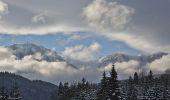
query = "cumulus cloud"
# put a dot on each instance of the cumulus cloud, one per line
(81, 52)
(124, 69)
(107, 15)
(109, 18)
(160, 65)
(3, 8)
(121, 22)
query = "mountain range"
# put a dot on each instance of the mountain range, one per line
(40, 90)
(22, 50)
(121, 57)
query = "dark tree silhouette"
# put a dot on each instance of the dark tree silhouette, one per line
(103, 93)
(150, 76)
(60, 90)
(136, 78)
(113, 85)
(3, 94)
(131, 95)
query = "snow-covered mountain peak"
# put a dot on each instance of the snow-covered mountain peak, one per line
(40, 52)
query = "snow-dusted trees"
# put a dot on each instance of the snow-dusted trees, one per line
(60, 90)
(103, 93)
(113, 85)
(148, 87)
(3, 94)
(14, 93)
(109, 87)
(136, 78)
(131, 92)
(82, 90)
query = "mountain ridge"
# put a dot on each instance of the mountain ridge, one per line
(38, 53)
(21, 50)
(121, 57)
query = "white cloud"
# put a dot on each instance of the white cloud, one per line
(29, 65)
(42, 30)
(138, 42)
(81, 52)
(160, 65)
(109, 18)
(127, 68)
(107, 15)
(124, 69)
(40, 18)
(139, 27)
(46, 17)
(3, 8)
(48, 71)
(112, 20)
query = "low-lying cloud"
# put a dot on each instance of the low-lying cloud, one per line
(160, 65)
(30, 67)
(54, 72)
(81, 52)
(124, 69)
(28, 64)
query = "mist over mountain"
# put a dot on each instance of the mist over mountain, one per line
(21, 50)
(122, 57)
(38, 62)
(38, 53)
(41, 53)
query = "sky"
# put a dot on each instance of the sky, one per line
(101, 27)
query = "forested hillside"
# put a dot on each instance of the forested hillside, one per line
(26, 89)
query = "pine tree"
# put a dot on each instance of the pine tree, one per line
(66, 87)
(60, 90)
(103, 93)
(113, 85)
(131, 95)
(83, 84)
(3, 94)
(83, 81)
(136, 78)
(150, 77)
(64, 92)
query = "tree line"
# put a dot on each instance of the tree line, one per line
(138, 87)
